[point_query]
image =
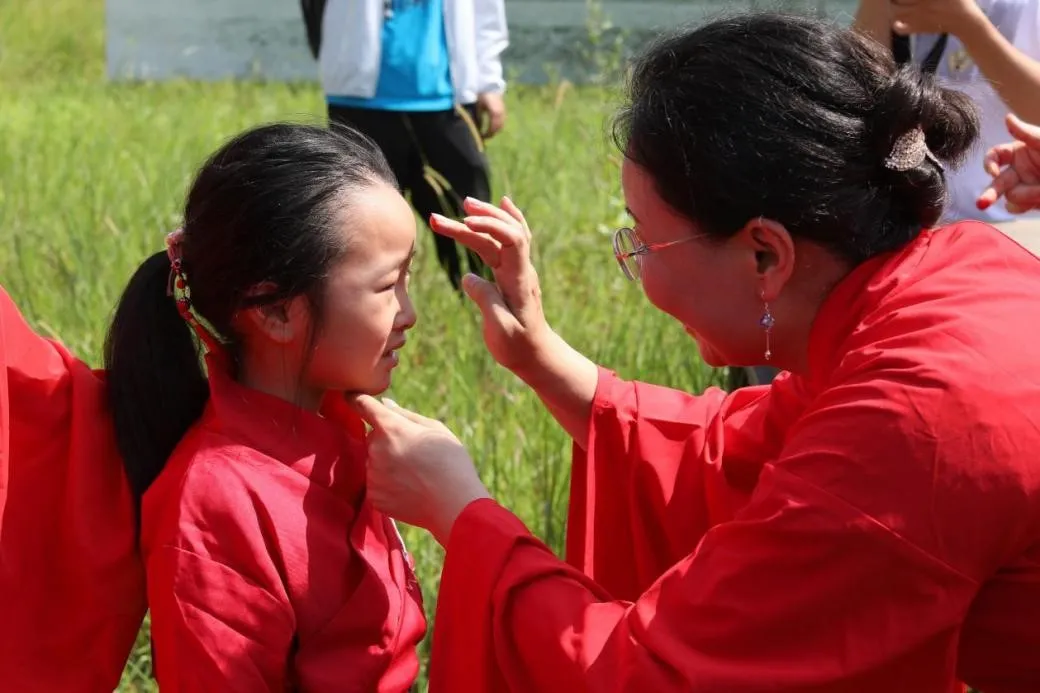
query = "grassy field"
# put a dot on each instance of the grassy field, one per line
(92, 175)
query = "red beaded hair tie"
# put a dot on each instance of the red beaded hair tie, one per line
(177, 287)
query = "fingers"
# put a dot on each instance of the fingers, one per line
(514, 211)
(374, 412)
(482, 244)
(902, 28)
(507, 233)
(1023, 131)
(1000, 186)
(1023, 197)
(998, 157)
(487, 126)
(382, 415)
(495, 122)
(487, 230)
(986, 199)
(489, 300)
(411, 415)
(508, 213)
(477, 207)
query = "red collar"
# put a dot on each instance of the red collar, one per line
(317, 446)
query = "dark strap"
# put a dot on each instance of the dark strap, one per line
(313, 11)
(901, 48)
(901, 52)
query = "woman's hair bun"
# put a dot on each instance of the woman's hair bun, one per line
(913, 99)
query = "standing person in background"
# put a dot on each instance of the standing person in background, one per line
(988, 49)
(423, 78)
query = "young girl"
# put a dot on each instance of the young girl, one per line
(267, 568)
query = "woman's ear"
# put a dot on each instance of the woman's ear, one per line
(774, 250)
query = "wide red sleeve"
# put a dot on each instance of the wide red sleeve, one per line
(68, 554)
(650, 479)
(31, 370)
(214, 627)
(801, 590)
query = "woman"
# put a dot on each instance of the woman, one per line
(267, 569)
(870, 521)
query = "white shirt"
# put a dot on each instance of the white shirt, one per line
(351, 46)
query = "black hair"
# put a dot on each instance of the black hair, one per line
(790, 118)
(263, 210)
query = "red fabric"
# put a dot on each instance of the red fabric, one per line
(873, 525)
(71, 583)
(267, 568)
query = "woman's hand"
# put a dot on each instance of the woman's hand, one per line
(1015, 168)
(418, 471)
(514, 324)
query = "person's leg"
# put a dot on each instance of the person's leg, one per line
(389, 131)
(762, 375)
(743, 376)
(455, 167)
(736, 378)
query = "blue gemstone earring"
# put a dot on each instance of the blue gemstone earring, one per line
(766, 322)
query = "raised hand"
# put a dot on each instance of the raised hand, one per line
(514, 324)
(1015, 168)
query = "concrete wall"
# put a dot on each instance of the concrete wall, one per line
(217, 39)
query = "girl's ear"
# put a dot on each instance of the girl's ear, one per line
(283, 322)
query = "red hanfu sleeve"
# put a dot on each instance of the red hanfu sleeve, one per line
(32, 373)
(649, 481)
(67, 546)
(801, 590)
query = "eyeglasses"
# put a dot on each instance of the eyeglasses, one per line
(628, 249)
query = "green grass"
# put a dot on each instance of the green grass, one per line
(92, 175)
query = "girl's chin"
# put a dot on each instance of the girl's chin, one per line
(375, 386)
(378, 386)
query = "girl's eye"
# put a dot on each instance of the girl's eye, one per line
(405, 277)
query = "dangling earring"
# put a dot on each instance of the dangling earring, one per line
(766, 322)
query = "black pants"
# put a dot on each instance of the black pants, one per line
(439, 158)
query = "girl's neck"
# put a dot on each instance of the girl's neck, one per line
(279, 378)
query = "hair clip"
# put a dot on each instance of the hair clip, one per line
(910, 151)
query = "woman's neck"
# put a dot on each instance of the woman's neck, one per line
(819, 272)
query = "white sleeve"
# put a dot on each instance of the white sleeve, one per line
(1027, 33)
(492, 39)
